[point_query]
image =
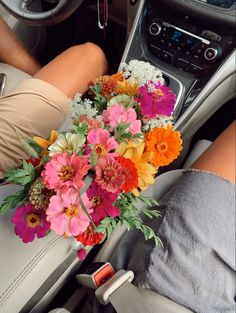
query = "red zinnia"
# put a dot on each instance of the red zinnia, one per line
(130, 172)
(34, 161)
(90, 237)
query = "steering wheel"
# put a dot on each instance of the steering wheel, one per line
(21, 10)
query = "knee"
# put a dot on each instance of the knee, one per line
(95, 55)
(92, 53)
(94, 50)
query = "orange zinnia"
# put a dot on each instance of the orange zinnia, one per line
(165, 143)
(108, 83)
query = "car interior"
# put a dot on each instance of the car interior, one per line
(192, 42)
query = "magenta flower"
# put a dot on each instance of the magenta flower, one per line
(102, 203)
(30, 222)
(65, 170)
(156, 100)
(109, 175)
(117, 113)
(81, 254)
(65, 213)
(102, 141)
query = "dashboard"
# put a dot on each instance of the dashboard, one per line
(189, 41)
(221, 3)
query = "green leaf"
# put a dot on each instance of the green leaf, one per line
(21, 176)
(130, 214)
(35, 146)
(13, 201)
(80, 129)
(28, 148)
(101, 228)
(107, 226)
(93, 158)
(88, 181)
(109, 230)
(85, 210)
(148, 201)
(150, 234)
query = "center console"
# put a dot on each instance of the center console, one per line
(185, 40)
(183, 49)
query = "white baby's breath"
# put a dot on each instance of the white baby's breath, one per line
(160, 121)
(99, 118)
(80, 107)
(141, 72)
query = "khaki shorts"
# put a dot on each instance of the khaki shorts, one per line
(33, 109)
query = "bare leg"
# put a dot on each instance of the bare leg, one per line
(12, 51)
(219, 158)
(73, 69)
(70, 72)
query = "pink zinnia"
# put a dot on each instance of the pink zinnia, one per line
(102, 202)
(65, 170)
(156, 100)
(102, 141)
(109, 174)
(65, 213)
(117, 114)
(29, 223)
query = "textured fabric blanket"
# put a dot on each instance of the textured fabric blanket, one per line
(196, 266)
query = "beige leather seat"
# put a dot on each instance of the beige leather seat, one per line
(14, 77)
(29, 274)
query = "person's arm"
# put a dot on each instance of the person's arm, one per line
(13, 52)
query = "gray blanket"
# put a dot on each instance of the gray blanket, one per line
(196, 266)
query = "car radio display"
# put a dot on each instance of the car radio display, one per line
(182, 40)
(176, 36)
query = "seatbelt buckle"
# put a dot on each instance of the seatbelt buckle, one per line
(96, 275)
(110, 286)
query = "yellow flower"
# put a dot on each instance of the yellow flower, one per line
(141, 160)
(44, 143)
(125, 87)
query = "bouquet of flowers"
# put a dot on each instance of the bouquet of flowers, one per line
(84, 181)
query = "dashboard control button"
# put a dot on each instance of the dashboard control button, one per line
(154, 29)
(210, 54)
(183, 64)
(193, 68)
(164, 35)
(157, 51)
(196, 56)
(166, 56)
